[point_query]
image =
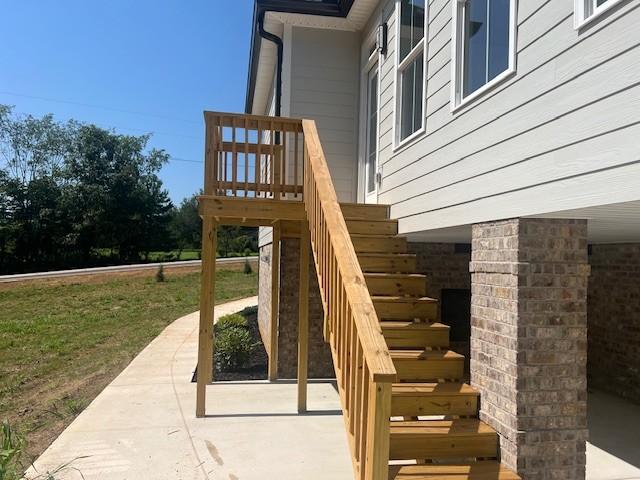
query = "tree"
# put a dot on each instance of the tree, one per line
(186, 225)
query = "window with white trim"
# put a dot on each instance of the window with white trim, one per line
(410, 67)
(484, 45)
(588, 10)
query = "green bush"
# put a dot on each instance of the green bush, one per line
(233, 348)
(160, 274)
(234, 320)
(247, 267)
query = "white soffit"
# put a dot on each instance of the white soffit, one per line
(266, 67)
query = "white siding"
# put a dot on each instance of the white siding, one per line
(562, 133)
(324, 87)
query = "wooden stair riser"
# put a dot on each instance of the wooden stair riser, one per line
(405, 310)
(372, 227)
(365, 212)
(384, 263)
(373, 244)
(414, 405)
(396, 285)
(410, 446)
(416, 335)
(431, 369)
(484, 470)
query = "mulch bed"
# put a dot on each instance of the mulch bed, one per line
(257, 365)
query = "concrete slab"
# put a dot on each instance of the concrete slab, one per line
(143, 425)
(613, 450)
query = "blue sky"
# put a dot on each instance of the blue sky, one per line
(167, 60)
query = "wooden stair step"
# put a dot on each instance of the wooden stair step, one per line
(403, 334)
(424, 399)
(364, 211)
(484, 470)
(372, 226)
(396, 284)
(388, 262)
(405, 308)
(442, 439)
(428, 364)
(379, 244)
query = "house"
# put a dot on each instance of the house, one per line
(487, 146)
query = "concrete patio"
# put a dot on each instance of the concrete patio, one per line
(143, 426)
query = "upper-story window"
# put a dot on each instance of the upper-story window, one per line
(484, 46)
(410, 67)
(588, 10)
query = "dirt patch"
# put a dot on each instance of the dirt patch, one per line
(256, 368)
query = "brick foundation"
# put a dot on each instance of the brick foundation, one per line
(529, 342)
(320, 362)
(614, 320)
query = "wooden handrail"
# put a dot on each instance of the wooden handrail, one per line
(363, 364)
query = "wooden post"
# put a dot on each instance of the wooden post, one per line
(377, 456)
(275, 303)
(303, 317)
(207, 291)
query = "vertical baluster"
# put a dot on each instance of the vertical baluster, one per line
(358, 400)
(258, 158)
(295, 162)
(272, 159)
(234, 157)
(283, 163)
(246, 156)
(363, 421)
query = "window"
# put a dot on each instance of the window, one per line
(484, 46)
(588, 10)
(410, 65)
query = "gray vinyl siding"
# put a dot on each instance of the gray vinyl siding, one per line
(324, 87)
(562, 133)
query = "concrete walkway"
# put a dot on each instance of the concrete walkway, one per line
(143, 425)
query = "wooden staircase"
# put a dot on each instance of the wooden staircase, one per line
(434, 429)
(408, 413)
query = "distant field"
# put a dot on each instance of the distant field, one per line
(63, 341)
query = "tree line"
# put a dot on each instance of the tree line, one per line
(76, 195)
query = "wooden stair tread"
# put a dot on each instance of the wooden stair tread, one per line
(364, 211)
(386, 255)
(461, 426)
(425, 355)
(394, 276)
(485, 470)
(410, 325)
(433, 388)
(399, 299)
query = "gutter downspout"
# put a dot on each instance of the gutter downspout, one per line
(279, 44)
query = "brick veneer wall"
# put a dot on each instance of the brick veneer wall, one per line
(445, 268)
(529, 341)
(320, 362)
(614, 320)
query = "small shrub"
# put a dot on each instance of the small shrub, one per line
(247, 267)
(160, 274)
(234, 320)
(234, 347)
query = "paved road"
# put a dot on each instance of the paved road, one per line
(116, 268)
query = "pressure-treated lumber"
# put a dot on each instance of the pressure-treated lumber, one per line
(364, 211)
(206, 336)
(303, 319)
(428, 365)
(372, 227)
(396, 284)
(379, 244)
(484, 470)
(442, 439)
(387, 262)
(410, 334)
(265, 210)
(424, 399)
(405, 308)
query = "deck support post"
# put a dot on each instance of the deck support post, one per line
(303, 318)
(275, 303)
(207, 291)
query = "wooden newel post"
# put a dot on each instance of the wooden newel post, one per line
(207, 292)
(379, 411)
(303, 318)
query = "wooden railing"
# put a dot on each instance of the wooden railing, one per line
(253, 156)
(364, 369)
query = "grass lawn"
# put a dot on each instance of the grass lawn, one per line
(62, 342)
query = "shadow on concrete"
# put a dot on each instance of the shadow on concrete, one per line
(614, 427)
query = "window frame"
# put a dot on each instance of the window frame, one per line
(457, 56)
(580, 9)
(399, 67)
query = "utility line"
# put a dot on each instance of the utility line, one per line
(103, 107)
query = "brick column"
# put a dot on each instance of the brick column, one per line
(529, 341)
